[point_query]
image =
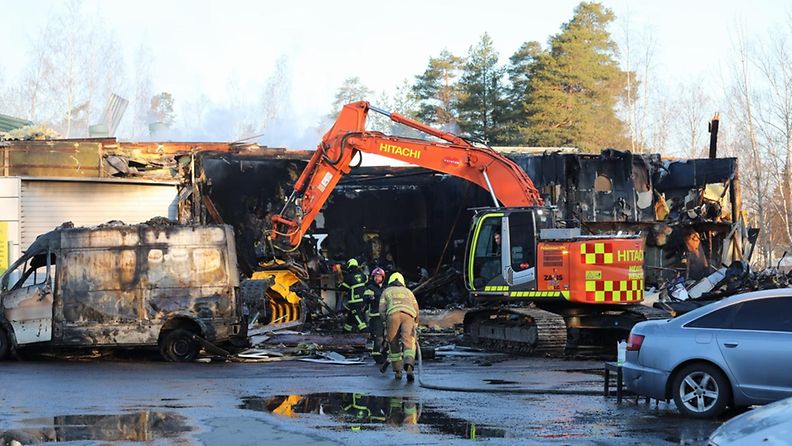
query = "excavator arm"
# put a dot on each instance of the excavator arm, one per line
(504, 179)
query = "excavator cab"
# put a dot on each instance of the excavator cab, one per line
(501, 249)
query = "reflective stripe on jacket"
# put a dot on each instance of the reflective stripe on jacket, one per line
(354, 281)
(398, 298)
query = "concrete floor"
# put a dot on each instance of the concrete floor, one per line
(231, 403)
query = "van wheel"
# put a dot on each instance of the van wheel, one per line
(179, 346)
(701, 391)
(5, 344)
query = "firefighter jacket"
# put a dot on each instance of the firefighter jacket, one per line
(372, 295)
(398, 298)
(354, 282)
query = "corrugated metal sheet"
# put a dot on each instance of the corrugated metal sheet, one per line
(47, 204)
(8, 123)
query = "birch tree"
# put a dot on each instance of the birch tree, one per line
(774, 62)
(754, 175)
(693, 109)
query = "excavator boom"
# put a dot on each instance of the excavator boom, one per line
(453, 155)
(578, 282)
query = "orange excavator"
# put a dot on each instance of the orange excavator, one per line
(536, 283)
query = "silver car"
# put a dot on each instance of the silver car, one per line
(765, 426)
(734, 352)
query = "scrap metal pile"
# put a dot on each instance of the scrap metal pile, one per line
(680, 296)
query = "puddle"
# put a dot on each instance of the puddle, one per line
(357, 411)
(137, 426)
(499, 381)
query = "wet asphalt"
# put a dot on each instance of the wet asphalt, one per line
(291, 402)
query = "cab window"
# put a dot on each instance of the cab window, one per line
(486, 253)
(522, 240)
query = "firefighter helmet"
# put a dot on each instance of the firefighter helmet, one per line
(396, 277)
(352, 262)
(378, 272)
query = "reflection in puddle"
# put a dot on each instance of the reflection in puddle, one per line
(359, 411)
(138, 426)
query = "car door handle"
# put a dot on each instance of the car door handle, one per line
(730, 344)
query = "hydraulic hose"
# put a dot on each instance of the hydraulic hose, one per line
(340, 149)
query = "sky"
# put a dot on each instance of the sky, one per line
(202, 47)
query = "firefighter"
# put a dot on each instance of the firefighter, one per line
(372, 297)
(354, 307)
(398, 304)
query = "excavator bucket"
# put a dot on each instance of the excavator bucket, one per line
(270, 292)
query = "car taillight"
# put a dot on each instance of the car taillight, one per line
(634, 343)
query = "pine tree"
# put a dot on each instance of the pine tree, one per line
(577, 83)
(435, 90)
(522, 65)
(482, 93)
(351, 90)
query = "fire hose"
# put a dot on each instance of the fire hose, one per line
(536, 391)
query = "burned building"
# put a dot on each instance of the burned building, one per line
(661, 198)
(416, 220)
(405, 218)
(85, 181)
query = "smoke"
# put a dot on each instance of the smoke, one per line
(206, 121)
(260, 112)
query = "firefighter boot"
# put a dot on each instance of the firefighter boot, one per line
(409, 369)
(384, 366)
(398, 375)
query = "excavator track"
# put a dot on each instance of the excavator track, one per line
(521, 330)
(529, 330)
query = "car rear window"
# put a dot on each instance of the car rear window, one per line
(772, 314)
(721, 318)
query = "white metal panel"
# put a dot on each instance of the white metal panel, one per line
(9, 186)
(9, 214)
(9, 209)
(47, 204)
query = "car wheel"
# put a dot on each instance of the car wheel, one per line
(5, 344)
(701, 391)
(179, 346)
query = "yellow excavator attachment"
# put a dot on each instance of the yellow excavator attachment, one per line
(284, 305)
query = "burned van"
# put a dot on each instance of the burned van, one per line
(124, 286)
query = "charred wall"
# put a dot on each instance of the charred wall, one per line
(660, 198)
(410, 227)
(412, 219)
(244, 191)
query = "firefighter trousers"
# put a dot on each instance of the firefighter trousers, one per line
(377, 331)
(401, 333)
(355, 317)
